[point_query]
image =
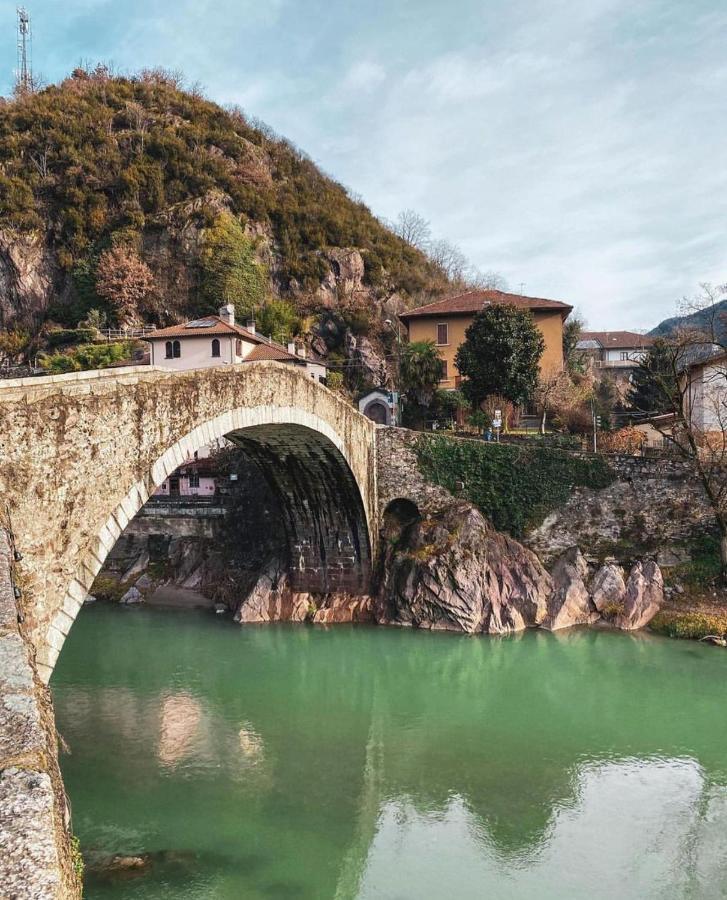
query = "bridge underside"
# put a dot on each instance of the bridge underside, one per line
(323, 516)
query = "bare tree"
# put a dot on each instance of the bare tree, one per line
(556, 393)
(450, 259)
(689, 373)
(486, 281)
(413, 228)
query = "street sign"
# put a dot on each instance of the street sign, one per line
(497, 423)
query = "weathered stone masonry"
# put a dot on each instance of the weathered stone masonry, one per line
(79, 456)
(35, 860)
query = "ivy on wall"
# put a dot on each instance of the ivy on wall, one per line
(514, 487)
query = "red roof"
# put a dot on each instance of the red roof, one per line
(194, 328)
(272, 351)
(617, 340)
(471, 302)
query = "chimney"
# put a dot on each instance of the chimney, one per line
(227, 314)
(250, 325)
(291, 348)
(301, 352)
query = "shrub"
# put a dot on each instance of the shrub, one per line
(85, 357)
(334, 380)
(279, 320)
(13, 344)
(693, 625)
(515, 487)
(480, 420)
(63, 337)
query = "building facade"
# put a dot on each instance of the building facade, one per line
(446, 321)
(614, 349)
(219, 341)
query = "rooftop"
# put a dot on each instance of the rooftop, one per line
(613, 340)
(205, 327)
(474, 301)
(272, 351)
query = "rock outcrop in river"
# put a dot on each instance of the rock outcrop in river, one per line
(454, 572)
(271, 599)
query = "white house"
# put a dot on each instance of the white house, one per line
(614, 349)
(219, 341)
(706, 392)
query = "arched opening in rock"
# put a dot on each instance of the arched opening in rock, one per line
(400, 516)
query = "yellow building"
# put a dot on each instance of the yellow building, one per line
(445, 322)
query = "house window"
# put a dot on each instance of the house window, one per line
(624, 355)
(238, 347)
(215, 347)
(176, 349)
(445, 376)
(443, 334)
(169, 351)
(193, 480)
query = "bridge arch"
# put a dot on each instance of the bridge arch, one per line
(93, 449)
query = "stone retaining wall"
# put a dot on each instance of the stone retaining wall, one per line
(654, 508)
(36, 862)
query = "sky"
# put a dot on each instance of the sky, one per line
(576, 147)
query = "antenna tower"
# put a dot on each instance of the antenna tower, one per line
(25, 70)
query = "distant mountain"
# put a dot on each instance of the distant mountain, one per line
(712, 317)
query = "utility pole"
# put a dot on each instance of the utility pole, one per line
(24, 73)
(596, 425)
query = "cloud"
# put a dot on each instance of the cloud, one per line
(365, 76)
(578, 148)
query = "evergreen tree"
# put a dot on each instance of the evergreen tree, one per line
(653, 383)
(500, 355)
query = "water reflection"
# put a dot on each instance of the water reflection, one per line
(375, 763)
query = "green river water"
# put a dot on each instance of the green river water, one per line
(290, 761)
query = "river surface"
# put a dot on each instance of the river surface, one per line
(290, 761)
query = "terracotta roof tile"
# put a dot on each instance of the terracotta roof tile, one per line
(218, 327)
(272, 351)
(617, 340)
(475, 301)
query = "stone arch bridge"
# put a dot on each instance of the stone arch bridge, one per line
(81, 453)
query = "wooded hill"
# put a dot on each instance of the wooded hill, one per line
(215, 206)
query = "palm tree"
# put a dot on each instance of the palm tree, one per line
(421, 370)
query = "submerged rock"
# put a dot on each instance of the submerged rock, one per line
(608, 587)
(570, 603)
(454, 572)
(643, 598)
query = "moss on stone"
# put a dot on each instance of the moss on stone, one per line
(515, 487)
